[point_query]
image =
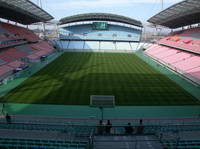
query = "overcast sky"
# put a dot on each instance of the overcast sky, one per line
(137, 9)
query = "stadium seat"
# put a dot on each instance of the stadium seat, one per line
(178, 60)
(188, 40)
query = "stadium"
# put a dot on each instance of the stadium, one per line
(99, 82)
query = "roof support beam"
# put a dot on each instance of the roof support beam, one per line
(180, 14)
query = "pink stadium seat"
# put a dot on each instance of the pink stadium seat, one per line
(41, 53)
(5, 69)
(186, 43)
(6, 58)
(177, 57)
(188, 63)
(186, 40)
(194, 48)
(16, 64)
(20, 31)
(196, 42)
(156, 50)
(11, 56)
(43, 46)
(33, 57)
(153, 47)
(168, 52)
(12, 52)
(194, 72)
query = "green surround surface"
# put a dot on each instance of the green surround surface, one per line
(141, 87)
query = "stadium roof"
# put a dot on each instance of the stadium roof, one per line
(181, 14)
(23, 11)
(100, 17)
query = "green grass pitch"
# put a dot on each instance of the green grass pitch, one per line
(73, 77)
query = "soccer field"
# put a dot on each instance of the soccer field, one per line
(73, 77)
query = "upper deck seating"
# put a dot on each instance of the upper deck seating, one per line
(186, 40)
(19, 31)
(3, 31)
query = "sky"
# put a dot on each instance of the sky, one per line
(138, 9)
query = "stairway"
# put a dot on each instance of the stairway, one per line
(126, 142)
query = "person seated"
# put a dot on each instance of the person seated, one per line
(128, 129)
(100, 128)
(108, 127)
(8, 118)
(140, 128)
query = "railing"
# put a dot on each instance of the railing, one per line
(88, 129)
(87, 132)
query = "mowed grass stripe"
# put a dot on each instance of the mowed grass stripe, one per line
(73, 77)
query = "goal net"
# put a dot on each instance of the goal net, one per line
(102, 101)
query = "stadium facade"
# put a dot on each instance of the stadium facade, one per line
(100, 32)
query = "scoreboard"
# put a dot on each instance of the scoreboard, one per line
(100, 26)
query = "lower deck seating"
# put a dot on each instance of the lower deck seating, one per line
(12, 52)
(10, 143)
(25, 49)
(186, 63)
(4, 69)
(42, 46)
(182, 144)
(6, 58)
(2, 62)
(33, 57)
(13, 57)
(16, 64)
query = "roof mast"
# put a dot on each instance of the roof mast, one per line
(162, 5)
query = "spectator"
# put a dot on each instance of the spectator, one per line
(108, 127)
(140, 128)
(8, 118)
(141, 121)
(3, 107)
(129, 129)
(100, 128)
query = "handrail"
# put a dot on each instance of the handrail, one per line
(92, 125)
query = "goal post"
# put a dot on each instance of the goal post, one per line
(103, 101)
